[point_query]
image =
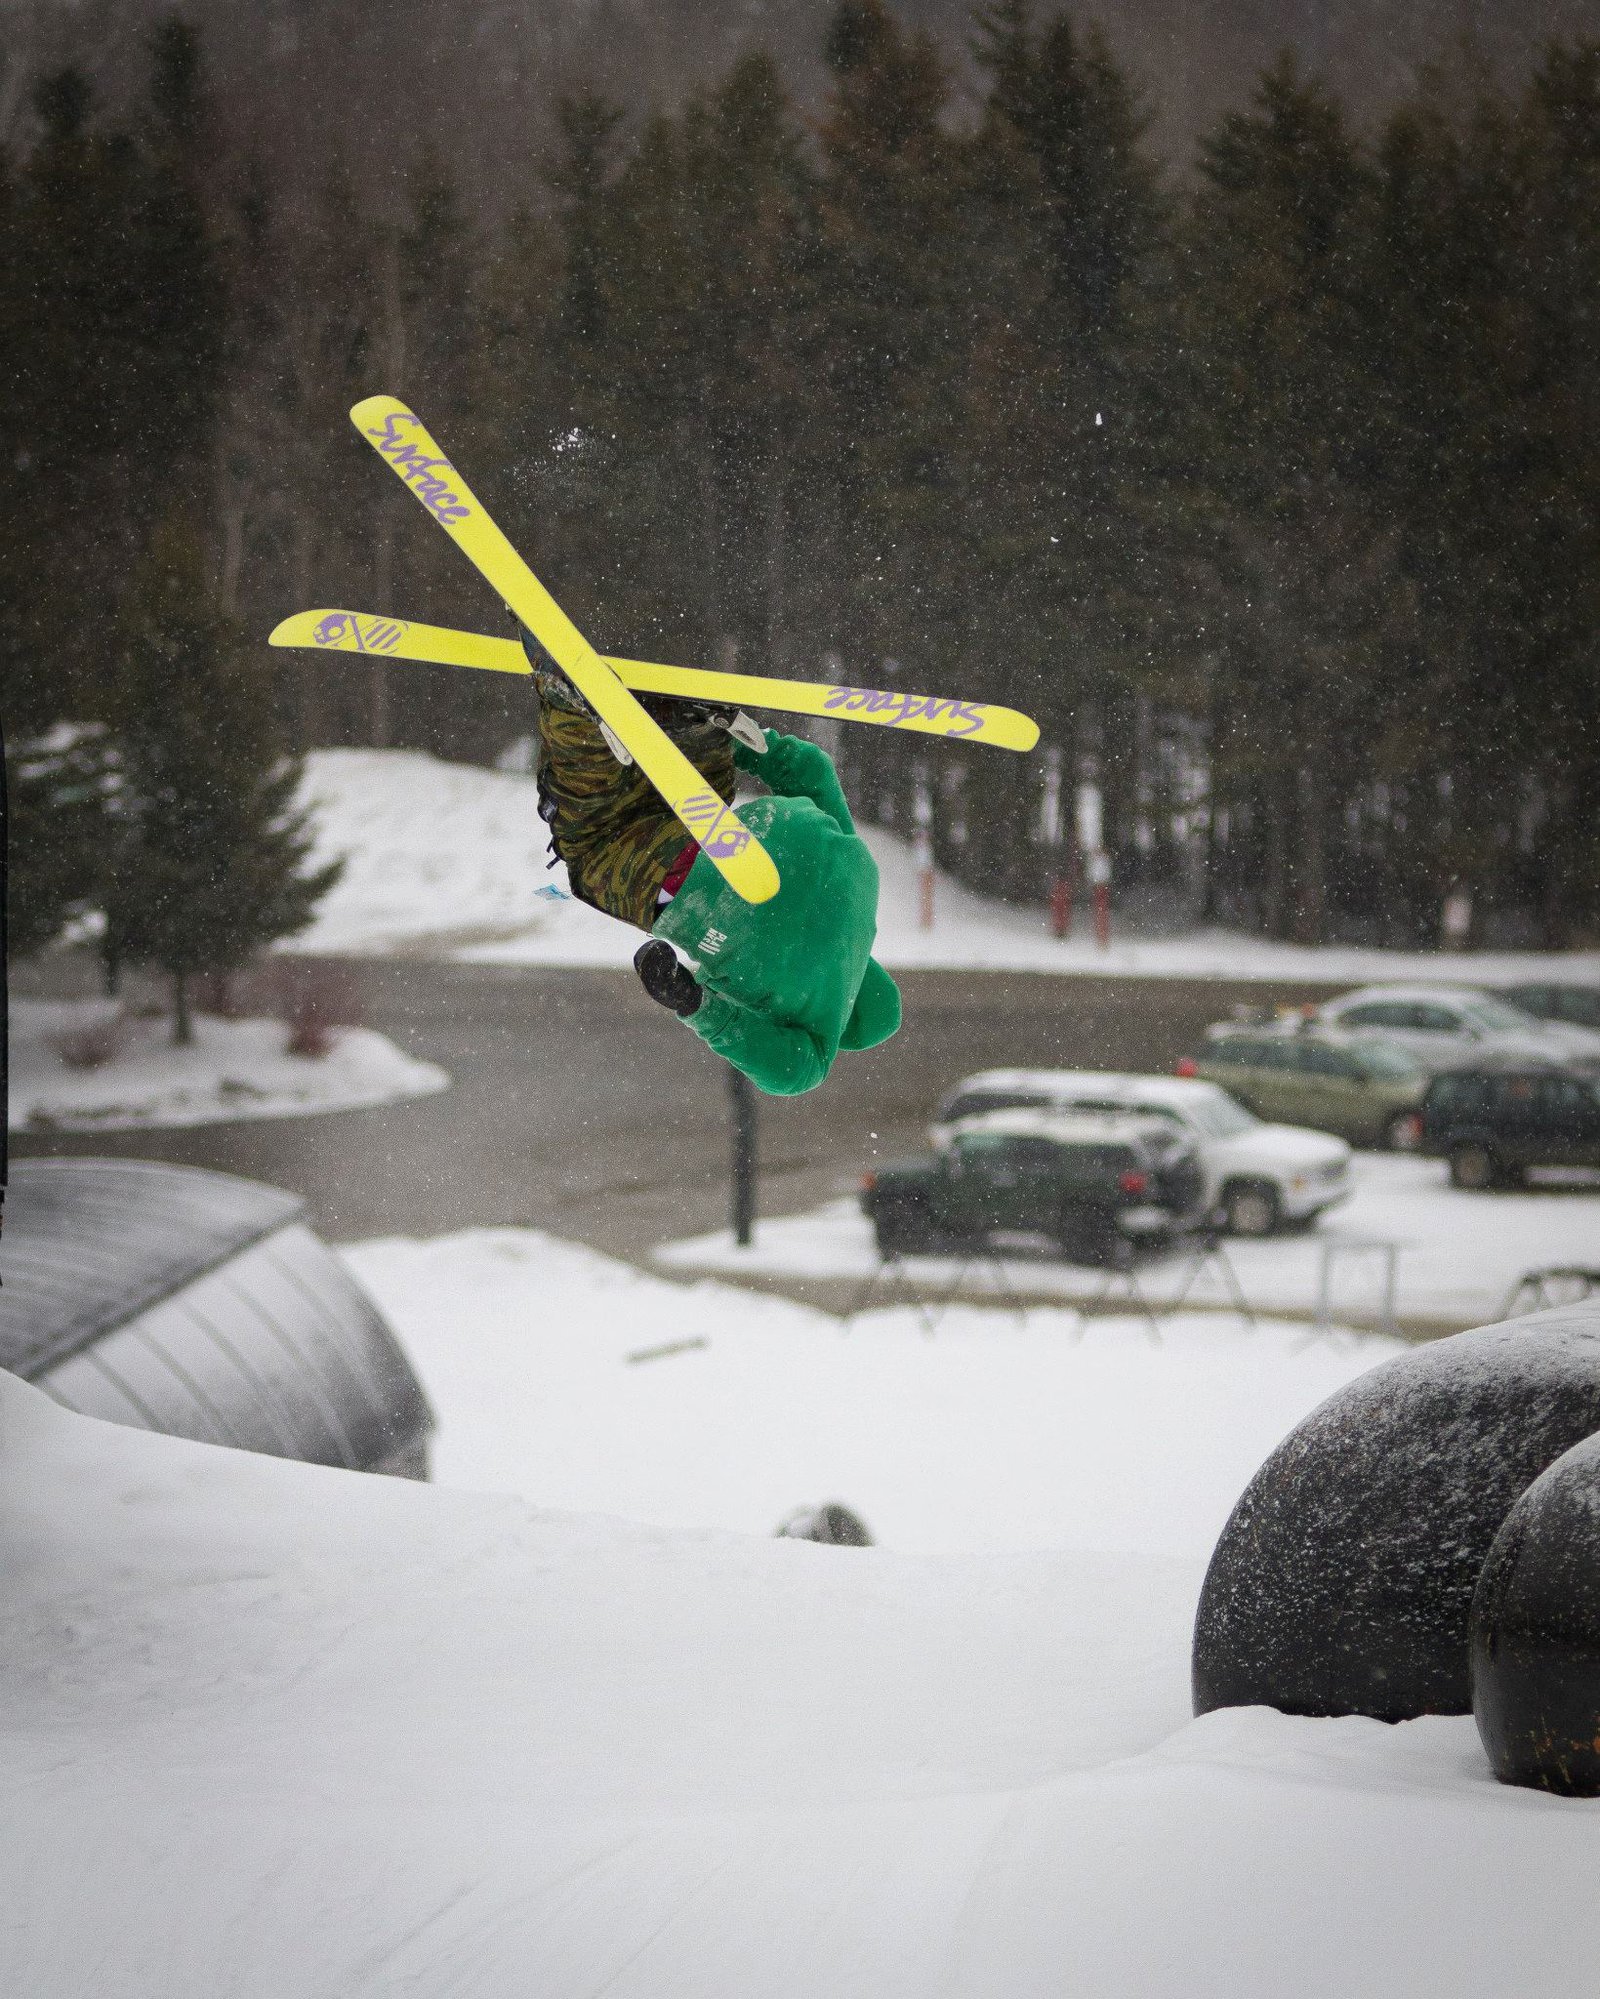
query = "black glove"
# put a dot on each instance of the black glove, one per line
(665, 979)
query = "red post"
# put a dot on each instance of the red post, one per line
(1061, 906)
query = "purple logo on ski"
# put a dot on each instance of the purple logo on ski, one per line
(723, 845)
(378, 634)
(872, 704)
(714, 826)
(428, 478)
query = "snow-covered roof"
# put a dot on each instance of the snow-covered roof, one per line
(1073, 1082)
(203, 1306)
(90, 1243)
(1067, 1127)
(1416, 989)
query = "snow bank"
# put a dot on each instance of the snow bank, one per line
(285, 1733)
(234, 1069)
(448, 859)
(1459, 1253)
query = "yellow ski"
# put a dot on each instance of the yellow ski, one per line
(398, 436)
(929, 714)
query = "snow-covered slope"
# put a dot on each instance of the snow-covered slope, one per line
(448, 859)
(278, 1732)
(436, 855)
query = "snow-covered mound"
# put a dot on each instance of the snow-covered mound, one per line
(233, 1069)
(436, 856)
(285, 1733)
(449, 859)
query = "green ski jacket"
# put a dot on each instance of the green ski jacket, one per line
(791, 981)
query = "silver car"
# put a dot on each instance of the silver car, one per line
(1441, 1025)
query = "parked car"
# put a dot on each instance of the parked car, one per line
(1444, 1025)
(1495, 1118)
(1260, 1176)
(1579, 1005)
(1362, 1087)
(1096, 1186)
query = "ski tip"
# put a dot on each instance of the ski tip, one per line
(1024, 733)
(373, 409)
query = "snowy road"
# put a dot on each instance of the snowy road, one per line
(579, 1107)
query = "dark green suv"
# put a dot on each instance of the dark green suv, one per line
(1364, 1089)
(1494, 1121)
(1096, 1186)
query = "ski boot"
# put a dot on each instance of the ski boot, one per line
(677, 717)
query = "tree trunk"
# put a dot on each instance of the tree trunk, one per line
(182, 1025)
(777, 573)
(1275, 883)
(383, 593)
(1311, 863)
(313, 673)
(394, 346)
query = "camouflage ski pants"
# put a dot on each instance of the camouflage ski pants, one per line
(608, 822)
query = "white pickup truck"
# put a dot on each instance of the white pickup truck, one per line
(1261, 1176)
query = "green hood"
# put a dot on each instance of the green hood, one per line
(791, 981)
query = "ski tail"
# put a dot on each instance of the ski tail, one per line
(927, 714)
(398, 435)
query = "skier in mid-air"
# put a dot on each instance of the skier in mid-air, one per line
(777, 988)
(779, 974)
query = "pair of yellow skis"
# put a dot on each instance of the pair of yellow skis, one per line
(609, 685)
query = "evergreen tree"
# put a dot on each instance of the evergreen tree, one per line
(65, 423)
(180, 332)
(713, 228)
(1554, 559)
(1308, 605)
(208, 856)
(57, 787)
(1067, 391)
(887, 361)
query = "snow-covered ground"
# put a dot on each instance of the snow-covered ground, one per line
(1459, 1253)
(448, 859)
(287, 1733)
(990, 1436)
(234, 1069)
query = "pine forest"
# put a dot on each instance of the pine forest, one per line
(1267, 478)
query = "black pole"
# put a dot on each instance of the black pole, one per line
(742, 1103)
(5, 990)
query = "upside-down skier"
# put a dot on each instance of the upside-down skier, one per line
(777, 988)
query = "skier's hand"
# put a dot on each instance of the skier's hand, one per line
(795, 768)
(666, 979)
(747, 759)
